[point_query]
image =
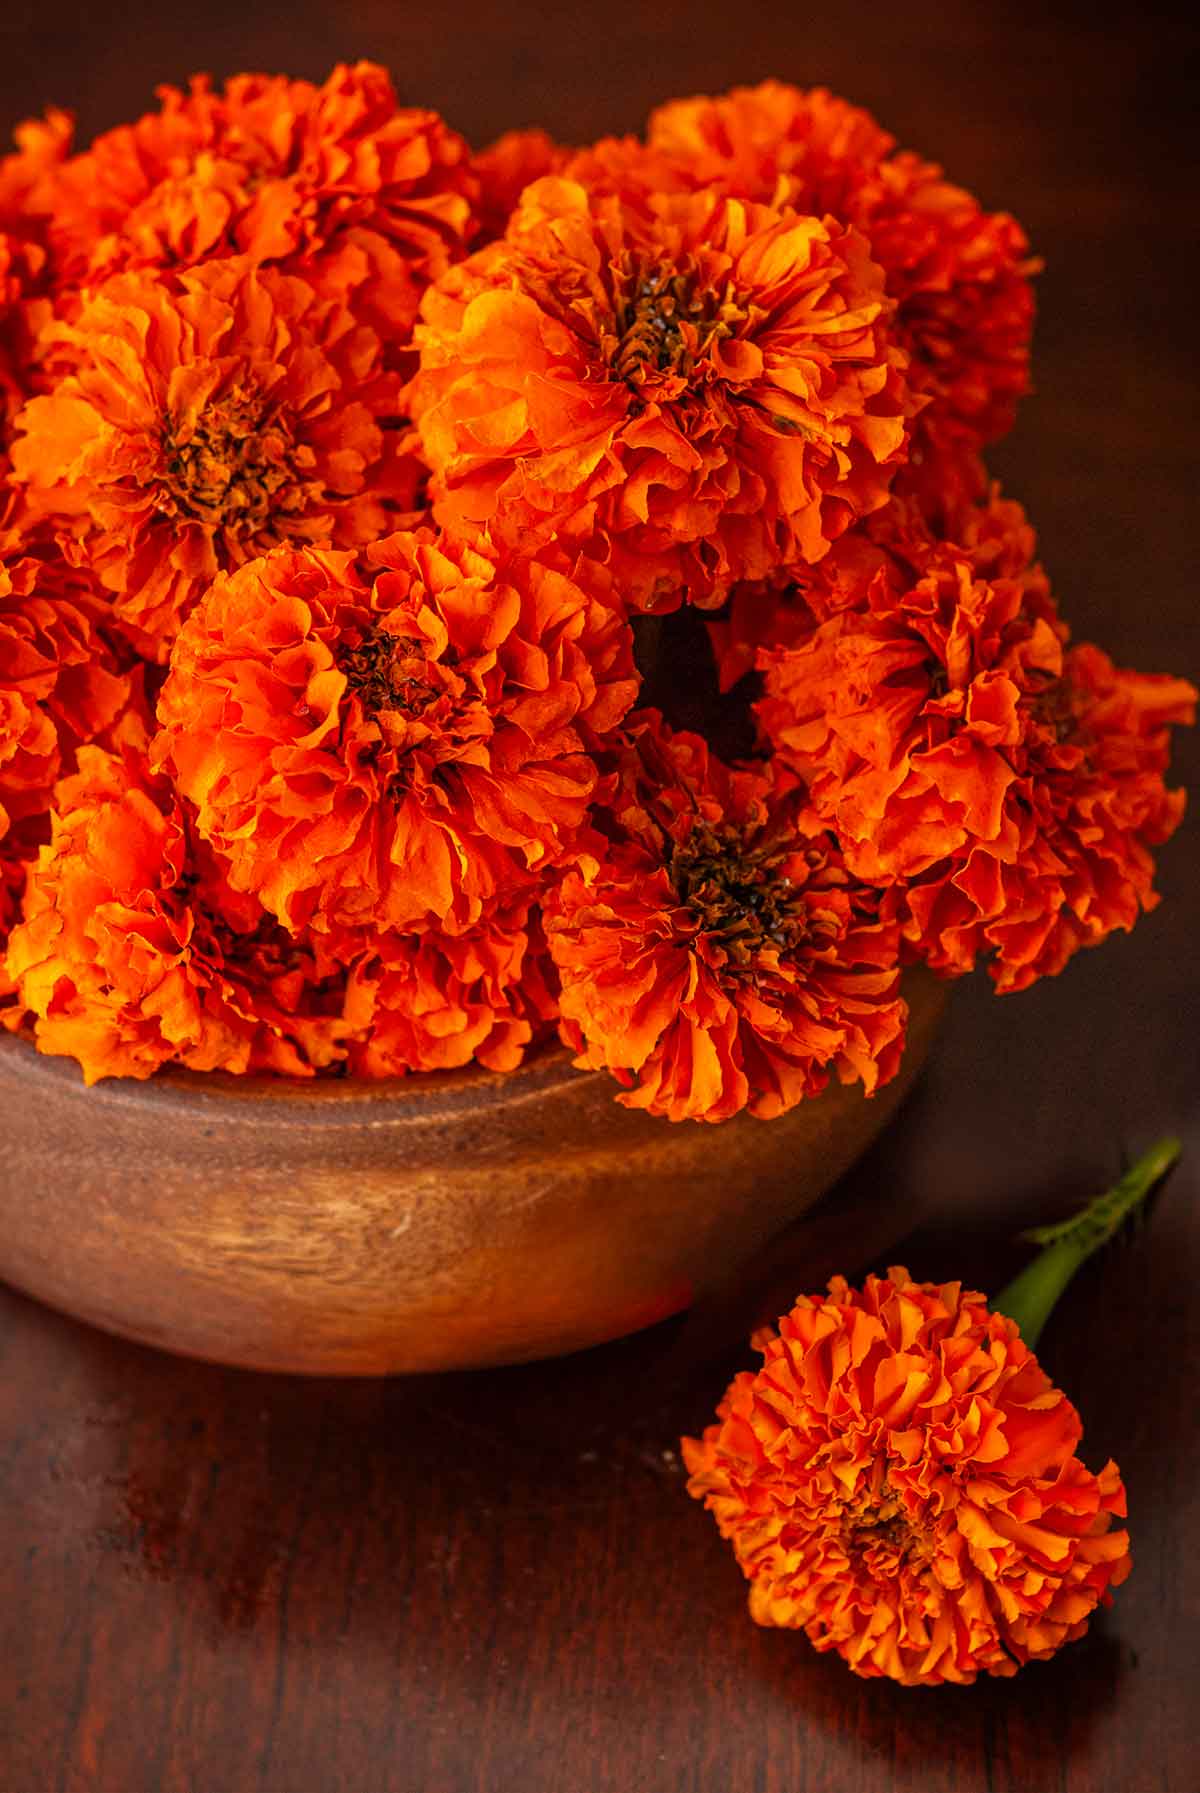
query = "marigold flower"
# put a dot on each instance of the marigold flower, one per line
(12, 886)
(60, 682)
(898, 1481)
(434, 1001)
(196, 421)
(273, 169)
(24, 272)
(884, 555)
(385, 742)
(134, 953)
(1008, 785)
(509, 165)
(960, 275)
(713, 952)
(697, 390)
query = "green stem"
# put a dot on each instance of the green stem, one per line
(1030, 1297)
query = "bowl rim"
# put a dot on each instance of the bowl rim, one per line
(350, 1101)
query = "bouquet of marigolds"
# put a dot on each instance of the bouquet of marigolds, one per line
(346, 474)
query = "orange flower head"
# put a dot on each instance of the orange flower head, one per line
(388, 743)
(25, 274)
(713, 952)
(898, 1481)
(1008, 785)
(134, 953)
(195, 421)
(959, 275)
(696, 390)
(20, 269)
(885, 555)
(437, 1001)
(12, 886)
(509, 165)
(60, 682)
(276, 170)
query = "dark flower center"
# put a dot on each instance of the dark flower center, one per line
(876, 1530)
(236, 466)
(387, 672)
(665, 321)
(737, 890)
(1056, 707)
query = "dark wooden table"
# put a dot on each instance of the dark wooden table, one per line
(225, 1583)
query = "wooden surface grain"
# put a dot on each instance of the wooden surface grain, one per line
(215, 1582)
(353, 1227)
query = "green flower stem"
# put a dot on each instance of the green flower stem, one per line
(1030, 1297)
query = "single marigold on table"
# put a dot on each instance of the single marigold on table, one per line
(396, 740)
(959, 275)
(898, 1481)
(713, 952)
(695, 390)
(134, 952)
(192, 422)
(274, 169)
(436, 1001)
(1008, 786)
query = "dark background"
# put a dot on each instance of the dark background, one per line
(235, 1584)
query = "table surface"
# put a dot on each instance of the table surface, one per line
(226, 1583)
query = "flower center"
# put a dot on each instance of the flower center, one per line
(664, 321)
(739, 891)
(387, 672)
(1056, 708)
(877, 1532)
(235, 466)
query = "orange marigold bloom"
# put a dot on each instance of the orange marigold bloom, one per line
(435, 1001)
(1009, 785)
(885, 554)
(898, 1481)
(698, 390)
(20, 268)
(384, 742)
(60, 682)
(960, 275)
(24, 270)
(509, 165)
(713, 952)
(195, 421)
(134, 953)
(274, 169)
(12, 885)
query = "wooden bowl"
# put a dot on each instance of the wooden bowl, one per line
(437, 1222)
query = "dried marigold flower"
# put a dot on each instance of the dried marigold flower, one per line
(696, 390)
(274, 169)
(959, 275)
(195, 421)
(1009, 786)
(898, 1481)
(396, 740)
(133, 952)
(60, 682)
(713, 951)
(437, 1001)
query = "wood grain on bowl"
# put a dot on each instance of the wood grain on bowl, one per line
(436, 1222)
